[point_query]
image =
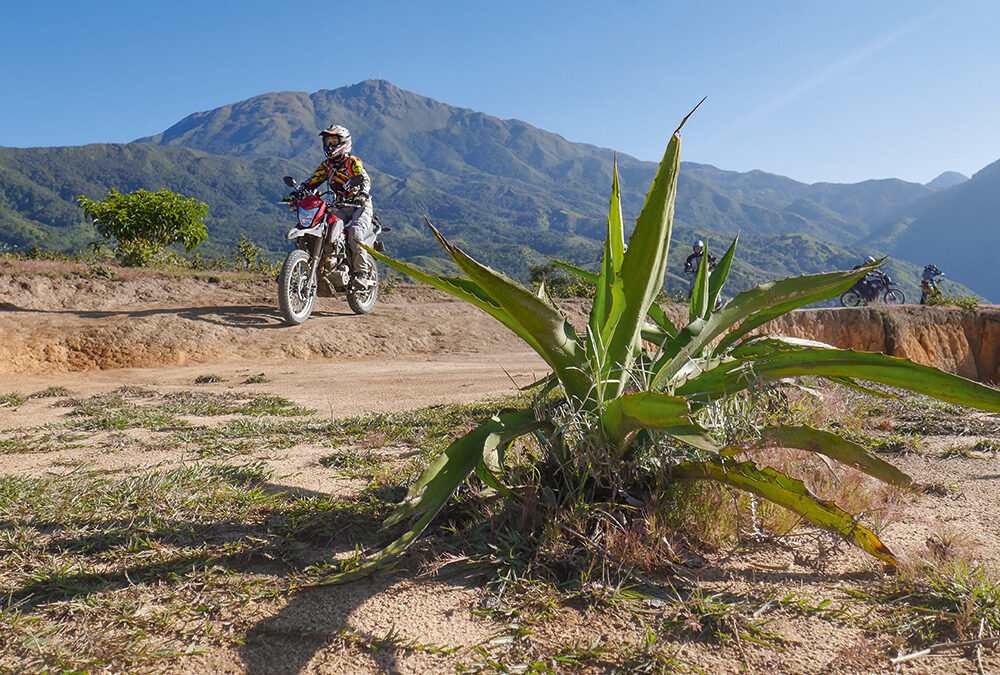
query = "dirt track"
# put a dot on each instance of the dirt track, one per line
(417, 348)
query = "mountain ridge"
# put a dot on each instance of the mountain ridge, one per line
(505, 189)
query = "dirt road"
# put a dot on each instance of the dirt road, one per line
(417, 348)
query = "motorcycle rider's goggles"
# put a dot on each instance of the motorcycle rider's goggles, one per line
(332, 142)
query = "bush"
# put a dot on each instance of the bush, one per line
(956, 297)
(144, 223)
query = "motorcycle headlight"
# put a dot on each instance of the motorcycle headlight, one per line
(307, 216)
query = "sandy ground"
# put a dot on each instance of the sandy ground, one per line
(418, 348)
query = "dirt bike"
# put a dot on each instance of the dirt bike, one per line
(876, 286)
(928, 283)
(320, 264)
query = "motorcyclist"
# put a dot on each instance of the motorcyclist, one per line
(693, 261)
(873, 281)
(352, 189)
(928, 283)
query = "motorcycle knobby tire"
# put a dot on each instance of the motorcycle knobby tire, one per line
(295, 298)
(361, 299)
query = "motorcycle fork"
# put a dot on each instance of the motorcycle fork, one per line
(315, 255)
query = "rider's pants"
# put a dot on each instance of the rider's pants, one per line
(359, 227)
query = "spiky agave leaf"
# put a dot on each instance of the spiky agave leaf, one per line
(835, 447)
(611, 264)
(698, 307)
(534, 319)
(791, 493)
(741, 373)
(553, 334)
(774, 299)
(720, 274)
(774, 310)
(626, 415)
(641, 277)
(475, 451)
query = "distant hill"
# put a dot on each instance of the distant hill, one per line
(948, 179)
(508, 192)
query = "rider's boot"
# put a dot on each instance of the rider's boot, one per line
(359, 266)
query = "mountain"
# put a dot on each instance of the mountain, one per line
(948, 179)
(38, 187)
(413, 137)
(958, 233)
(508, 192)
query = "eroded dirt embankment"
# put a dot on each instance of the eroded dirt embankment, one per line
(966, 342)
(65, 322)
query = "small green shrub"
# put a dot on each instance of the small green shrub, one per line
(956, 297)
(144, 223)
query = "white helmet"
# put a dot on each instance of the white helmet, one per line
(336, 141)
(699, 244)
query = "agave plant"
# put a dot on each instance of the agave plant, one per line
(640, 383)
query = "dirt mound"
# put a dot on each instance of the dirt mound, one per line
(50, 322)
(961, 341)
(54, 319)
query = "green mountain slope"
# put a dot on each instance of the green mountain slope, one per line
(508, 192)
(959, 232)
(441, 146)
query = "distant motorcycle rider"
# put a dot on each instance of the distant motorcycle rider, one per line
(870, 285)
(352, 189)
(928, 283)
(693, 262)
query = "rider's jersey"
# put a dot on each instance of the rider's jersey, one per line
(693, 261)
(338, 172)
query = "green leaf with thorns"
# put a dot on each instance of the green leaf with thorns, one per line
(627, 397)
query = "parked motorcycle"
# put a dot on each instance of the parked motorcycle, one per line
(320, 264)
(928, 283)
(876, 286)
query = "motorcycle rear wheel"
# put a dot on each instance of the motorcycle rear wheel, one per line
(295, 299)
(894, 296)
(851, 298)
(362, 298)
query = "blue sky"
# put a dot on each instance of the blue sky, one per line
(818, 91)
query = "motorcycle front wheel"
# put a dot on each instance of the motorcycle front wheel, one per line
(851, 298)
(363, 295)
(894, 296)
(295, 297)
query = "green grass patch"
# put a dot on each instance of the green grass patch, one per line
(11, 400)
(208, 379)
(130, 572)
(52, 392)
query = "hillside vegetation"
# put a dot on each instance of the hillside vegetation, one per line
(507, 192)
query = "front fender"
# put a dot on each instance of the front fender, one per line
(296, 232)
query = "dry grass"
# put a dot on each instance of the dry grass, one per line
(132, 570)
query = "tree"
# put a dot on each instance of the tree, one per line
(145, 222)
